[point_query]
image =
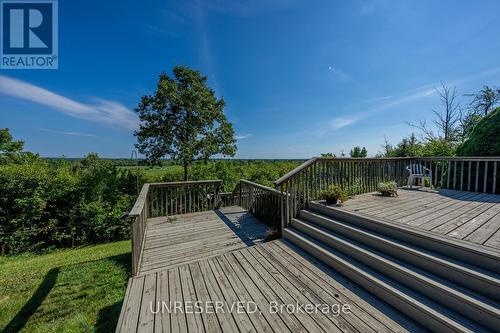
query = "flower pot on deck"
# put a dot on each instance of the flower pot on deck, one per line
(331, 200)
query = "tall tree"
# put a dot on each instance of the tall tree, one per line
(183, 120)
(10, 150)
(482, 103)
(484, 100)
(7, 144)
(358, 152)
(445, 119)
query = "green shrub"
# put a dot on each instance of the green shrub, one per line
(388, 188)
(47, 205)
(484, 139)
(334, 192)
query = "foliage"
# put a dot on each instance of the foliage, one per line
(484, 100)
(407, 147)
(358, 152)
(7, 145)
(484, 139)
(438, 147)
(43, 206)
(467, 124)
(10, 150)
(354, 188)
(410, 147)
(388, 188)
(71, 290)
(183, 120)
(231, 171)
(328, 155)
(334, 191)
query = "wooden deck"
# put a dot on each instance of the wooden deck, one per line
(256, 276)
(181, 239)
(470, 216)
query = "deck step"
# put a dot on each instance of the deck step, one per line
(420, 308)
(472, 305)
(480, 257)
(468, 276)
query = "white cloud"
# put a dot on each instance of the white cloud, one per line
(340, 122)
(102, 111)
(396, 99)
(243, 136)
(66, 133)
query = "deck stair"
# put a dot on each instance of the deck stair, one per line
(447, 286)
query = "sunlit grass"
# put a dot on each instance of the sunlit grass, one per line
(77, 290)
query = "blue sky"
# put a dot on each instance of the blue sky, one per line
(299, 77)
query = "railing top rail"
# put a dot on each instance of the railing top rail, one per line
(183, 183)
(343, 159)
(141, 200)
(295, 171)
(357, 159)
(262, 187)
(459, 158)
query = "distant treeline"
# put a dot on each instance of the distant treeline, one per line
(167, 162)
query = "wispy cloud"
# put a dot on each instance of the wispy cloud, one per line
(389, 101)
(101, 111)
(339, 122)
(66, 133)
(243, 136)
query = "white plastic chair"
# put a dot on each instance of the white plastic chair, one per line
(418, 171)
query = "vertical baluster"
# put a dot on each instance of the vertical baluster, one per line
(449, 174)
(442, 173)
(485, 186)
(454, 174)
(469, 175)
(477, 176)
(461, 175)
(494, 189)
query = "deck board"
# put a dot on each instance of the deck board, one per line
(274, 271)
(189, 269)
(187, 238)
(470, 216)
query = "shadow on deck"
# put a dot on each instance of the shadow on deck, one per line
(181, 239)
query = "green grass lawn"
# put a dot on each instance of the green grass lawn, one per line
(77, 290)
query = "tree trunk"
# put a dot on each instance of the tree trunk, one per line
(185, 165)
(4, 249)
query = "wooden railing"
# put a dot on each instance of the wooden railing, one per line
(355, 175)
(265, 203)
(139, 216)
(361, 175)
(165, 199)
(293, 191)
(183, 197)
(478, 174)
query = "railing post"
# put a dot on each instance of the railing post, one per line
(250, 197)
(241, 194)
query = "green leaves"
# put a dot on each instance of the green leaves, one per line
(183, 120)
(483, 140)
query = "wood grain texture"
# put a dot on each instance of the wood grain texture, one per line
(471, 216)
(274, 271)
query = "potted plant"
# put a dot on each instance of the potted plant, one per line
(334, 194)
(388, 188)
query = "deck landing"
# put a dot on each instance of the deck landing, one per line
(181, 239)
(470, 216)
